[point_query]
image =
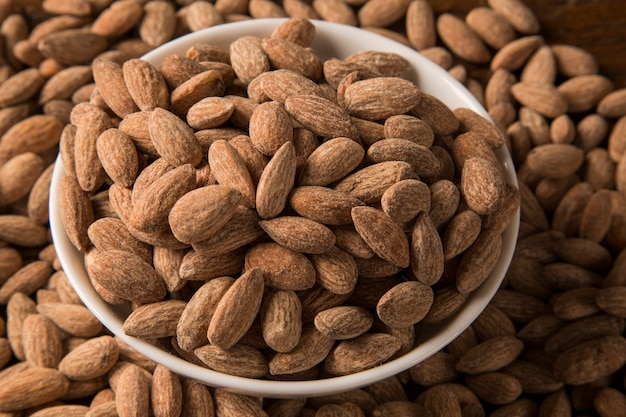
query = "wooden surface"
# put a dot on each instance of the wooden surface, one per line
(599, 26)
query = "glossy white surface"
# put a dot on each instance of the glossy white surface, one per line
(332, 40)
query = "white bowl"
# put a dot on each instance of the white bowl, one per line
(331, 40)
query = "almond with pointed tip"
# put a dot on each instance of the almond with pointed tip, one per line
(382, 234)
(237, 309)
(201, 212)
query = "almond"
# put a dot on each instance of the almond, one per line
(237, 309)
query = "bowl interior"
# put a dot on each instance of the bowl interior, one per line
(331, 40)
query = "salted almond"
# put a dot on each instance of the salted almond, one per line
(226, 402)
(405, 199)
(405, 304)
(126, 275)
(321, 116)
(381, 13)
(382, 234)
(118, 155)
(360, 353)
(276, 181)
(364, 99)
(282, 83)
(343, 322)
(196, 266)
(177, 69)
(461, 39)
(543, 98)
(336, 271)
(573, 61)
(513, 55)
(76, 211)
(150, 211)
(229, 169)
(299, 234)
(369, 184)
(282, 268)
(154, 320)
(420, 157)
(237, 309)
(297, 30)
(270, 127)
(322, 204)
(478, 261)
(281, 320)
(210, 112)
(436, 114)
(331, 161)
(36, 134)
(191, 330)
(248, 59)
(207, 83)
(241, 229)
(519, 15)
(109, 78)
(460, 233)
(311, 350)
(145, 84)
(31, 388)
(157, 25)
(91, 359)
(284, 54)
(482, 185)
(555, 160)
(41, 340)
(240, 360)
(386, 64)
(173, 138)
(427, 257)
(420, 25)
(201, 212)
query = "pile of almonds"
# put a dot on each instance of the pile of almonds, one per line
(550, 343)
(325, 211)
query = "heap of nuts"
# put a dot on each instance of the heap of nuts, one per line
(266, 212)
(550, 343)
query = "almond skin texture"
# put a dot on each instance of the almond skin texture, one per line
(237, 309)
(31, 388)
(482, 185)
(343, 322)
(202, 212)
(276, 181)
(323, 204)
(173, 138)
(331, 161)
(282, 268)
(405, 304)
(382, 234)
(90, 360)
(361, 353)
(321, 116)
(381, 97)
(126, 275)
(299, 234)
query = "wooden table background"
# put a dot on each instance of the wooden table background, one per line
(598, 26)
